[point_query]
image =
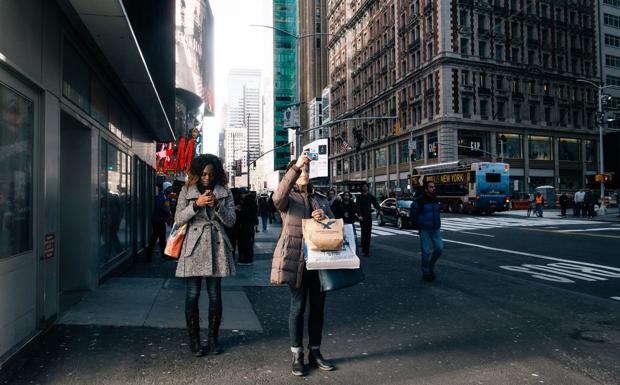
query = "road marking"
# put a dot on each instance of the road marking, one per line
(594, 229)
(380, 232)
(582, 233)
(616, 298)
(469, 232)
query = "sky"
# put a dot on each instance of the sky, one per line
(237, 45)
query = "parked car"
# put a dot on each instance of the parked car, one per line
(395, 211)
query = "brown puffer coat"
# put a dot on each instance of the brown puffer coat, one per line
(288, 258)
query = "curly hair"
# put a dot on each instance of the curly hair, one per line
(198, 165)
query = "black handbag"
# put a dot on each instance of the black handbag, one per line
(335, 279)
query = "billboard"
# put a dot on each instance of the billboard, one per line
(290, 118)
(319, 168)
(194, 50)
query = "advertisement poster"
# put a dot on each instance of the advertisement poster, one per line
(319, 168)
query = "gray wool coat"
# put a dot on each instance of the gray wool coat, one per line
(288, 264)
(206, 250)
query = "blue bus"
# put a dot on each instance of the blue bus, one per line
(467, 186)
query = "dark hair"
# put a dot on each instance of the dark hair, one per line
(331, 190)
(347, 193)
(198, 165)
(426, 183)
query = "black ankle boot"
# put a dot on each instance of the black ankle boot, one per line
(299, 369)
(315, 359)
(193, 330)
(213, 346)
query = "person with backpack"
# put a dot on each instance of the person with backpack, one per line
(424, 215)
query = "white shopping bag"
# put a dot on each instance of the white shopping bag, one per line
(345, 258)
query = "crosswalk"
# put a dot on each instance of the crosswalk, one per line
(467, 223)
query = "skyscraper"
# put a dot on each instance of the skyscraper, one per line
(285, 74)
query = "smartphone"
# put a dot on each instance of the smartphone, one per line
(312, 155)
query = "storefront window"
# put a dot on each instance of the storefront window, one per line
(404, 151)
(114, 190)
(433, 146)
(541, 148)
(393, 153)
(569, 149)
(591, 151)
(511, 145)
(473, 143)
(16, 202)
(380, 160)
(418, 148)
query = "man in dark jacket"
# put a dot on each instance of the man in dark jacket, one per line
(161, 213)
(364, 202)
(424, 216)
(563, 204)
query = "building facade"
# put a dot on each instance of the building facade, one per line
(82, 105)
(491, 80)
(313, 64)
(284, 76)
(609, 37)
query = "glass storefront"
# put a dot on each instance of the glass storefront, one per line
(16, 176)
(541, 148)
(380, 160)
(591, 151)
(433, 146)
(115, 203)
(569, 149)
(473, 143)
(511, 145)
(404, 151)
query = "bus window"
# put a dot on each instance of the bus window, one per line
(493, 178)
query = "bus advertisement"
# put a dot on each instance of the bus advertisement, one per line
(467, 186)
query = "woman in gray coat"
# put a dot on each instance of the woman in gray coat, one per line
(295, 200)
(206, 206)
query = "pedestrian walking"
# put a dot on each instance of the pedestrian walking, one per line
(530, 207)
(207, 207)
(335, 204)
(349, 212)
(295, 200)
(248, 218)
(364, 202)
(273, 211)
(588, 204)
(563, 204)
(579, 197)
(424, 214)
(263, 211)
(161, 213)
(539, 202)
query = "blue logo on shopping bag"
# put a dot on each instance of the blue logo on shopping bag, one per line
(327, 225)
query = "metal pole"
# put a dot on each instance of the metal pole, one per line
(602, 210)
(247, 148)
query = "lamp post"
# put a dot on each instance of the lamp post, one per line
(298, 71)
(599, 122)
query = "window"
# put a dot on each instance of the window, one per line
(433, 146)
(500, 83)
(533, 114)
(393, 156)
(464, 46)
(569, 149)
(493, 177)
(612, 40)
(501, 111)
(466, 107)
(484, 109)
(380, 158)
(465, 78)
(509, 146)
(541, 148)
(611, 20)
(591, 151)
(472, 143)
(499, 52)
(418, 148)
(16, 174)
(115, 203)
(517, 112)
(404, 151)
(612, 80)
(482, 49)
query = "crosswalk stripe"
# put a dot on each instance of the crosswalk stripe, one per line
(380, 232)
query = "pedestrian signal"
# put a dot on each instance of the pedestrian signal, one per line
(605, 178)
(414, 156)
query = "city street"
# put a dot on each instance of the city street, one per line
(517, 301)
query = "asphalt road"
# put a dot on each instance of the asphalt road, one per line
(515, 303)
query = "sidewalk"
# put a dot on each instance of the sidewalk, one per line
(150, 295)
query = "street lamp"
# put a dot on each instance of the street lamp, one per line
(298, 70)
(599, 122)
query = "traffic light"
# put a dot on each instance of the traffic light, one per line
(254, 165)
(414, 156)
(397, 128)
(605, 178)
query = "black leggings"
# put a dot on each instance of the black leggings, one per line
(214, 290)
(310, 290)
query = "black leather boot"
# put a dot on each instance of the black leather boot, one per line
(213, 346)
(299, 369)
(315, 359)
(193, 330)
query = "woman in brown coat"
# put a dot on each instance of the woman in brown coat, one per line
(206, 206)
(295, 200)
